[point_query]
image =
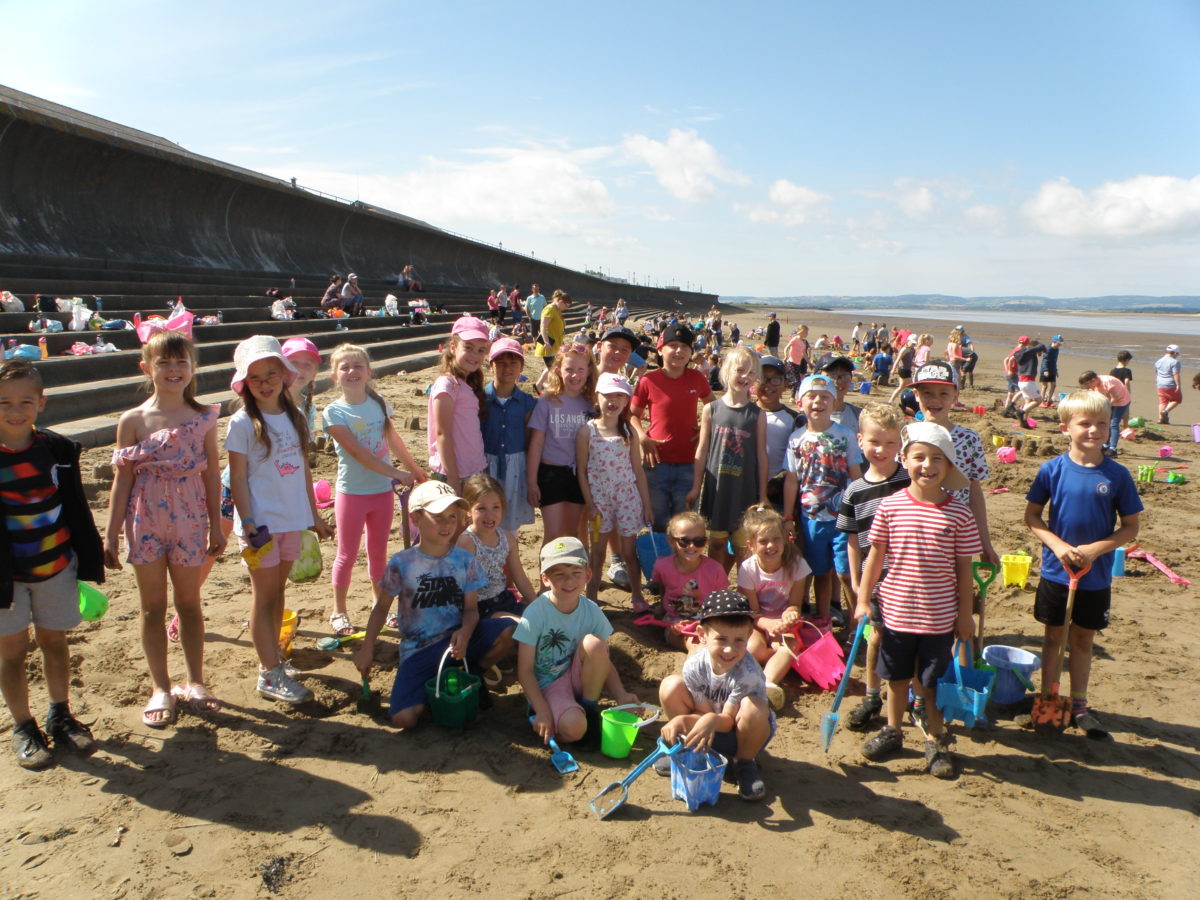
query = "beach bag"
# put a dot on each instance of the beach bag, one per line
(27, 352)
(181, 321)
(10, 303)
(81, 317)
(46, 303)
(79, 348)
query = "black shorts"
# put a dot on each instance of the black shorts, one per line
(558, 484)
(1091, 607)
(901, 654)
(904, 373)
(1048, 378)
(504, 602)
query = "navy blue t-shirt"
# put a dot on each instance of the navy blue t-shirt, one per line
(1085, 502)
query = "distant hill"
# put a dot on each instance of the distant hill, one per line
(1113, 303)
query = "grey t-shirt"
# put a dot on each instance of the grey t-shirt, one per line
(780, 425)
(746, 679)
(847, 416)
(1165, 369)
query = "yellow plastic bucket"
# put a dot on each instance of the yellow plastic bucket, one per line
(287, 631)
(1015, 569)
(997, 440)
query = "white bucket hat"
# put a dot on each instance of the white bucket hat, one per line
(935, 434)
(250, 351)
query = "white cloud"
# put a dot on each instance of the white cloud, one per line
(985, 216)
(916, 202)
(788, 204)
(686, 164)
(542, 189)
(1142, 205)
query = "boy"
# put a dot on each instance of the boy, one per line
(435, 585)
(1124, 374)
(771, 336)
(1167, 383)
(821, 460)
(879, 441)
(670, 396)
(719, 703)
(1049, 375)
(1085, 491)
(840, 370)
(781, 422)
(562, 657)
(1027, 355)
(882, 364)
(1117, 394)
(48, 542)
(928, 538)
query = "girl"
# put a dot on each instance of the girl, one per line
(493, 304)
(508, 411)
(499, 557)
(613, 482)
(904, 367)
(455, 401)
(685, 577)
(167, 493)
(306, 360)
(954, 352)
(796, 355)
(272, 498)
(360, 425)
(551, 456)
(731, 456)
(924, 347)
(773, 580)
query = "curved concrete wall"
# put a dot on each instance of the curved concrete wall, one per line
(73, 186)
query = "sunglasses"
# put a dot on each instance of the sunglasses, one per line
(690, 542)
(581, 349)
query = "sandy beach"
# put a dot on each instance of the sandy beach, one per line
(317, 801)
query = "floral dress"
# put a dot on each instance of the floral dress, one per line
(167, 511)
(612, 483)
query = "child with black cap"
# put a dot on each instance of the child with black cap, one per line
(719, 703)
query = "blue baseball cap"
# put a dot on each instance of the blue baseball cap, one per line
(1056, 338)
(817, 383)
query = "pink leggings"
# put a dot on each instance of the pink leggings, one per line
(354, 513)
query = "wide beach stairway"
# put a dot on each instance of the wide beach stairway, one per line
(86, 394)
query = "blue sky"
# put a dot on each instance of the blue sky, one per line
(1043, 148)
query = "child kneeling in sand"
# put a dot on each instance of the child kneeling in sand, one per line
(562, 657)
(719, 703)
(929, 538)
(436, 587)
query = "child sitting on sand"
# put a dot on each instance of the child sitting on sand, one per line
(719, 703)
(562, 661)
(1085, 492)
(928, 538)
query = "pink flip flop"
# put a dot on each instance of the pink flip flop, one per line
(173, 630)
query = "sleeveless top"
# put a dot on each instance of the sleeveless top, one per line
(491, 561)
(731, 470)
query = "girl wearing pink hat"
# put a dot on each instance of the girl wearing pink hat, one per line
(455, 435)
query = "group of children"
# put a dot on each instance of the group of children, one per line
(738, 480)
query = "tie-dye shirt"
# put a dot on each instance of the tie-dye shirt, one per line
(822, 461)
(41, 541)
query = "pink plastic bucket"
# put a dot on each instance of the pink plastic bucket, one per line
(1196, 433)
(1006, 454)
(820, 663)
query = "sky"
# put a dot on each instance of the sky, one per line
(798, 148)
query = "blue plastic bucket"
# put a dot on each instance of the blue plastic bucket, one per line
(865, 387)
(963, 691)
(1008, 661)
(696, 777)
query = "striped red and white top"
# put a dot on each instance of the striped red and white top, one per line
(919, 595)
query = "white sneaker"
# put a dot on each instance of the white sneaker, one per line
(618, 574)
(775, 696)
(275, 684)
(289, 670)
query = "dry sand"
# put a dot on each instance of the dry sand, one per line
(321, 801)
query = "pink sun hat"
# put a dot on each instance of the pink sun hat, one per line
(506, 345)
(470, 328)
(250, 351)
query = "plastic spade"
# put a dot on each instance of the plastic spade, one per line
(829, 721)
(334, 642)
(563, 761)
(368, 703)
(613, 797)
(1049, 709)
(983, 581)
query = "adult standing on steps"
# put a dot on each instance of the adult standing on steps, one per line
(1167, 381)
(352, 296)
(534, 304)
(771, 338)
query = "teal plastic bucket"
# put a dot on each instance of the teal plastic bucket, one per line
(696, 777)
(963, 691)
(1008, 661)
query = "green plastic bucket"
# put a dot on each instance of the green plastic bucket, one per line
(453, 695)
(92, 603)
(619, 727)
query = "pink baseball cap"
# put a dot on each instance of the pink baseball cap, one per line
(293, 346)
(608, 383)
(506, 345)
(469, 328)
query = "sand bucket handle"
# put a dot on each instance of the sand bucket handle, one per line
(437, 684)
(645, 720)
(794, 634)
(959, 646)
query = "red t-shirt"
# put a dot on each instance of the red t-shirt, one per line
(672, 404)
(919, 595)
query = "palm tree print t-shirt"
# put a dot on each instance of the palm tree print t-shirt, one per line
(555, 635)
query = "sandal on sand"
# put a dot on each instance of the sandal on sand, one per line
(393, 622)
(340, 623)
(160, 702)
(173, 630)
(197, 697)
